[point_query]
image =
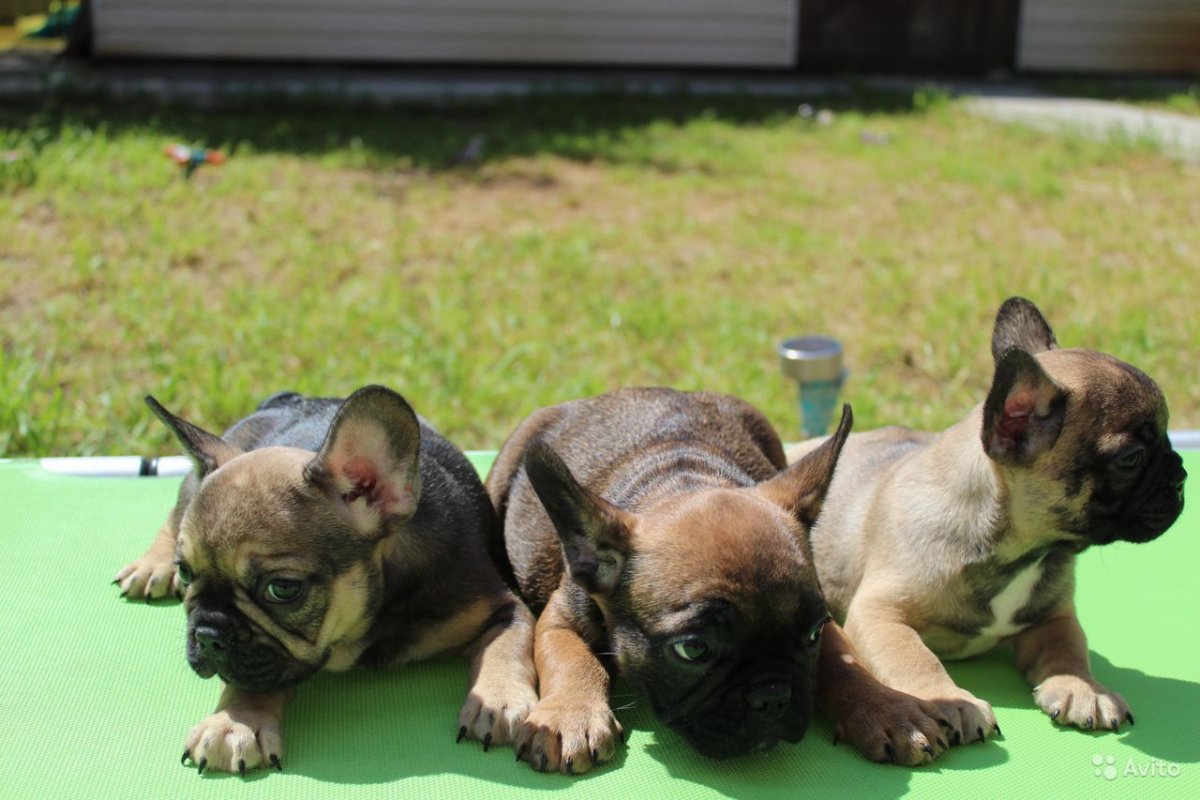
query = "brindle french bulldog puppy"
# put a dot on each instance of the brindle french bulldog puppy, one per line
(318, 535)
(941, 545)
(654, 530)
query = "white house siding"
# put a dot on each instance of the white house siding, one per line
(1109, 35)
(752, 33)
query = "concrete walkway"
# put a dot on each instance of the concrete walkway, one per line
(35, 75)
(1177, 134)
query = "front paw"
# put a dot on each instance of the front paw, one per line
(967, 718)
(894, 727)
(494, 710)
(568, 734)
(1072, 700)
(235, 740)
(150, 578)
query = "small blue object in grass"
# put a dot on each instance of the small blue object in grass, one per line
(189, 158)
(815, 364)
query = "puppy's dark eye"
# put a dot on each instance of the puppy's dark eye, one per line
(184, 572)
(814, 635)
(284, 590)
(1129, 461)
(693, 648)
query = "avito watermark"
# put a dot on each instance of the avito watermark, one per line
(1106, 767)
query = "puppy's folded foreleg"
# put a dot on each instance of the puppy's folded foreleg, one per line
(572, 727)
(1054, 657)
(242, 734)
(893, 651)
(883, 723)
(153, 575)
(503, 682)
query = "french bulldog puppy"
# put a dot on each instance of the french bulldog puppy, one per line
(940, 545)
(654, 531)
(320, 534)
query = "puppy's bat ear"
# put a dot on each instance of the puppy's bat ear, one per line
(1024, 411)
(370, 461)
(594, 533)
(800, 489)
(207, 450)
(1020, 324)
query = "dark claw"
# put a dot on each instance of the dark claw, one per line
(542, 766)
(929, 750)
(200, 767)
(1116, 724)
(1057, 711)
(524, 751)
(570, 765)
(890, 751)
(1129, 716)
(242, 767)
(186, 755)
(487, 741)
(276, 763)
(998, 733)
(595, 756)
(945, 723)
(956, 738)
(943, 744)
(621, 734)
(980, 732)
(1090, 724)
(462, 734)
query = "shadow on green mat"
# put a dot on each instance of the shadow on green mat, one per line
(994, 677)
(1153, 698)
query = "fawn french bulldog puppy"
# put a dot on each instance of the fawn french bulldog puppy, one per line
(320, 534)
(941, 545)
(655, 531)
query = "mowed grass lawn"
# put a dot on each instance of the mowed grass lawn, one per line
(599, 242)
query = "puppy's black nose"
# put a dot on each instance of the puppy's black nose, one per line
(769, 699)
(213, 641)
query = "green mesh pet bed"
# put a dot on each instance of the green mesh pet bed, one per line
(97, 695)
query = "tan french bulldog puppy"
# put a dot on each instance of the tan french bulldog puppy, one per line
(320, 534)
(655, 533)
(939, 546)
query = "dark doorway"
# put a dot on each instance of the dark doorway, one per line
(934, 34)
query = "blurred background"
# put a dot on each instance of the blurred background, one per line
(496, 206)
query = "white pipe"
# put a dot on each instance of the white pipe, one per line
(119, 466)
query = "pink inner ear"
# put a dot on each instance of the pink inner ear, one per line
(366, 482)
(1013, 425)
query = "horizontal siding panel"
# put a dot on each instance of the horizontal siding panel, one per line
(1091, 61)
(458, 51)
(1036, 17)
(696, 32)
(270, 26)
(1112, 39)
(1110, 35)
(743, 8)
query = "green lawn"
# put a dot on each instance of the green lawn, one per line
(599, 242)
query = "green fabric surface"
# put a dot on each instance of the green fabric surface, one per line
(97, 695)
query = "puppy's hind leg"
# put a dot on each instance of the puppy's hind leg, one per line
(503, 682)
(1054, 657)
